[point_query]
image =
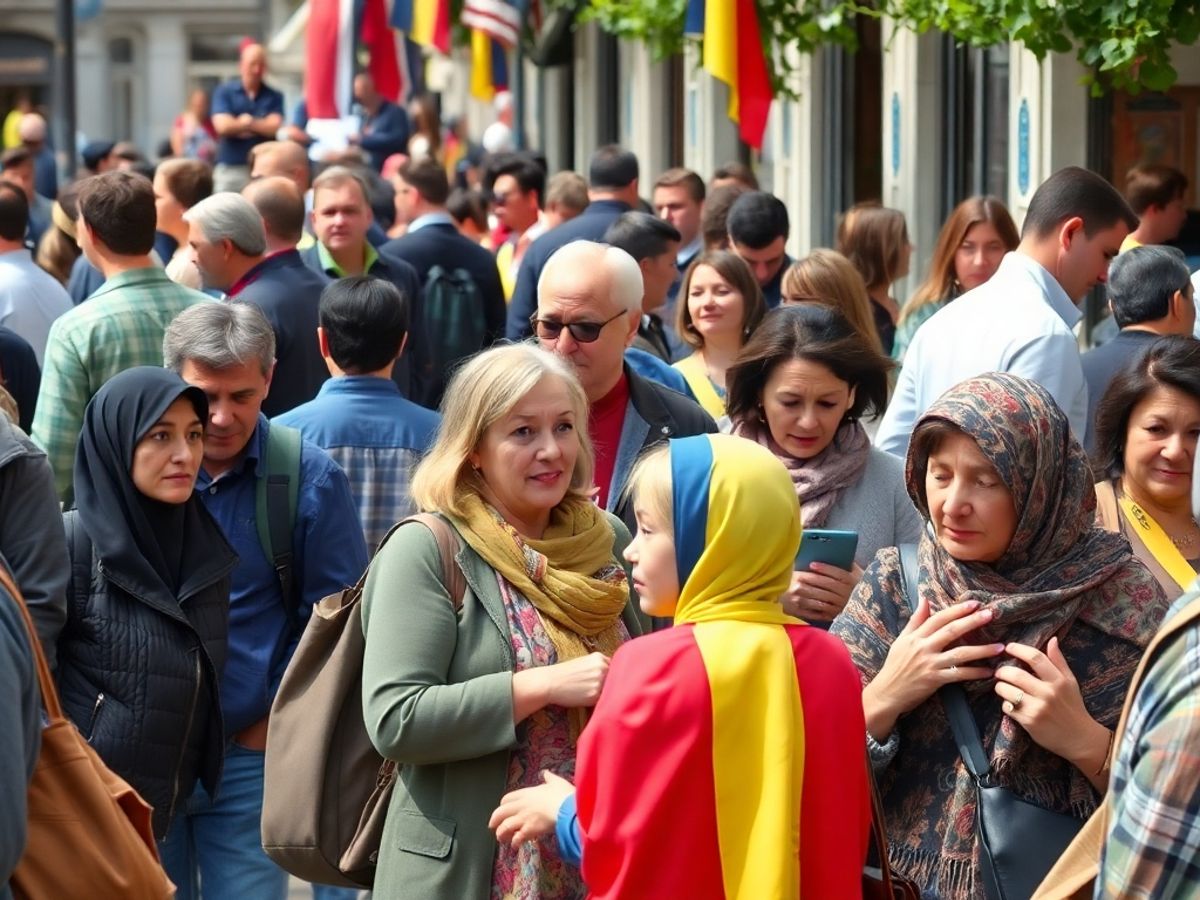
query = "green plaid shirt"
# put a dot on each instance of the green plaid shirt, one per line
(118, 327)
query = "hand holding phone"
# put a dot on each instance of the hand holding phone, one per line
(823, 545)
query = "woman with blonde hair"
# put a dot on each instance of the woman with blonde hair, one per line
(967, 253)
(875, 240)
(477, 699)
(58, 248)
(827, 277)
(721, 306)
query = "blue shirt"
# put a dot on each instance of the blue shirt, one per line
(376, 436)
(328, 556)
(650, 366)
(1019, 322)
(231, 99)
(385, 133)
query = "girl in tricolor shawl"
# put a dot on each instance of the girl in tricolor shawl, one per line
(725, 757)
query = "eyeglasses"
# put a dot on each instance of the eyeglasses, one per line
(582, 332)
(499, 199)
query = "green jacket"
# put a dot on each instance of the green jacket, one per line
(437, 698)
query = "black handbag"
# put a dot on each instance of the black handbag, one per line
(1019, 841)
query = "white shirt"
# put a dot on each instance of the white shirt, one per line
(30, 299)
(1018, 322)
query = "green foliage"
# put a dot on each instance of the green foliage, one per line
(1123, 43)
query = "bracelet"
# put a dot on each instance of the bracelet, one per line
(1107, 763)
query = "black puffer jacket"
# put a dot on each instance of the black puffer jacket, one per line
(139, 678)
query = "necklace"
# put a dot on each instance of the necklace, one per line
(1190, 539)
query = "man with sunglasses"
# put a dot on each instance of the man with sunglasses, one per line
(589, 307)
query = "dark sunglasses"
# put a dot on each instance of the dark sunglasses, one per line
(582, 332)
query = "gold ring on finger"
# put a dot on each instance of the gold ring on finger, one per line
(1016, 704)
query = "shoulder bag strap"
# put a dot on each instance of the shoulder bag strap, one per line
(962, 722)
(45, 679)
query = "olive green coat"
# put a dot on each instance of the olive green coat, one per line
(437, 698)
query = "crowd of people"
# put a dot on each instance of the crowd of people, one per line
(229, 376)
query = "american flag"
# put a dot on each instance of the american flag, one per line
(499, 19)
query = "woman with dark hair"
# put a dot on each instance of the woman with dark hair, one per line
(967, 253)
(141, 654)
(1146, 430)
(722, 305)
(800, 387)
(875, 240)
(426, 140)
(1038, 614)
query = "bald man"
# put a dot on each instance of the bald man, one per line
(589, 300)
(245, 112)
(32, 131)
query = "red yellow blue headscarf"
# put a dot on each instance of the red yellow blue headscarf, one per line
(726, 756)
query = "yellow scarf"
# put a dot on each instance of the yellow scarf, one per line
(1158, 543)
(696, 375)
(570, 575)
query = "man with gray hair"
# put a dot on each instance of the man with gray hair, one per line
(589, 307)
(229, 246)
(1150, 294)
(228, 351)
(119, 327)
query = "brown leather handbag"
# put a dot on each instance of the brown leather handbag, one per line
(89, 833)
(879, 882)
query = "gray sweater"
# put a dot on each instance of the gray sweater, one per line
(878, 508)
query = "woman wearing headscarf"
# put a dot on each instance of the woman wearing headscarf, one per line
(140, 656)
(479, 694)
(1038, 613)
(724, 759)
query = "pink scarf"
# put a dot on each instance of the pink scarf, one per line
(819, 481)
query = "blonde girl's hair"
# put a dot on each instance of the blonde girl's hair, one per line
(480, 393)
(650, 484)
(827, 277)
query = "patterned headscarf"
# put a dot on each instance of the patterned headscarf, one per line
(1057, 554)
(1060, 575)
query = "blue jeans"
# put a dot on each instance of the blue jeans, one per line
(214, 847)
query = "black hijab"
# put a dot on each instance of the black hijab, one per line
(159, 551)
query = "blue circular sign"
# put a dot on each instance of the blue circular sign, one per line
(895, 133)
(1023, 147)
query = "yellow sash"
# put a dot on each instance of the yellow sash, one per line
(1165, 553)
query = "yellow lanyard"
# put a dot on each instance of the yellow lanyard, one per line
(1157, 542)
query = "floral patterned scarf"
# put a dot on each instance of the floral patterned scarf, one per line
(1061, 575)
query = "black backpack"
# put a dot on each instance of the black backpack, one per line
(454, 322)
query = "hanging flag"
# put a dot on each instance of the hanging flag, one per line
(426, 22)
(733, 54)
(329, 57)
(498, 19)
(378, 39)
(489, 66)
(753, 79)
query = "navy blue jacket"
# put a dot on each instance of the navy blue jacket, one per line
(385, 133)
(288, 293)
(411, 372)
(85, 279)
(440, 244)
(20, 374)
(589, 225)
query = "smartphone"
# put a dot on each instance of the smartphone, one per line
(823, 545)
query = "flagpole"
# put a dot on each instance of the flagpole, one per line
(518, 92)
(64, 60)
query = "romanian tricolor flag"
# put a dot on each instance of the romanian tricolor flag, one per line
(725, 759)
(733, 53)
(336, 31)
(426, 22)
(489, 66)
